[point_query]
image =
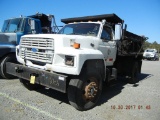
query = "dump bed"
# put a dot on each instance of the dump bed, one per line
(131, 44)
(111, 18)
(45, 22)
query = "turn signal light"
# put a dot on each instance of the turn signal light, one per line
(76, 45)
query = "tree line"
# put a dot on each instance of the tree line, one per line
(153, 45)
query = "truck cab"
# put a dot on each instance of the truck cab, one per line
(12, 31)
(94, 35)
(14, 28)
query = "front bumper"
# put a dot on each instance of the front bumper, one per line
(148, 57)
(45, 78)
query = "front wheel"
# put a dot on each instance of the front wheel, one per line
(8, 58)
(84, 91)
(154, 59)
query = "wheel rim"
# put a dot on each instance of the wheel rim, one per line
(90, 89)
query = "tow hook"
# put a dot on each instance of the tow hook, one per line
(18, 70)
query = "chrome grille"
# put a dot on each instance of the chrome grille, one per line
(37, 49)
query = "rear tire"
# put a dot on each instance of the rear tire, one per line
(8, 58)
(84, 91)
(134, 73)
(30, 86)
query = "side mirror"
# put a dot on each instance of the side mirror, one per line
(32, 25)
(118, 31)
(125, 27)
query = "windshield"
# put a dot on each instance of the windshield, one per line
(13, 25)
(89, 29)
(150, 50)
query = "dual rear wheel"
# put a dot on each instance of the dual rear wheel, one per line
(134, 73)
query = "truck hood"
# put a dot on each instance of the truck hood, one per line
(8, 38)
(60, 40)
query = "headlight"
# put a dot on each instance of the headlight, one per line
(69, 60)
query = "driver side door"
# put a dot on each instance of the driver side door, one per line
(107, 46)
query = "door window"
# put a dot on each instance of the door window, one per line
(106, 33)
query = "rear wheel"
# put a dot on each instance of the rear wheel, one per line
(134, 73)
(84, 92)
(30, 86)
(8, 58)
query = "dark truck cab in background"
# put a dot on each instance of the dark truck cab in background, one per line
(13, 29)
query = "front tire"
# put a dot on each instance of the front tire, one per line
(8, 58)
(154, 59)
(84, 91)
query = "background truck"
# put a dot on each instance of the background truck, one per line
(151, 54)
(87, 53)
(12, 31)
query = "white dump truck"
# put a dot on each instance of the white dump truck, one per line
(85, 54)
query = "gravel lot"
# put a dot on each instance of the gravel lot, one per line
(119, 101)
